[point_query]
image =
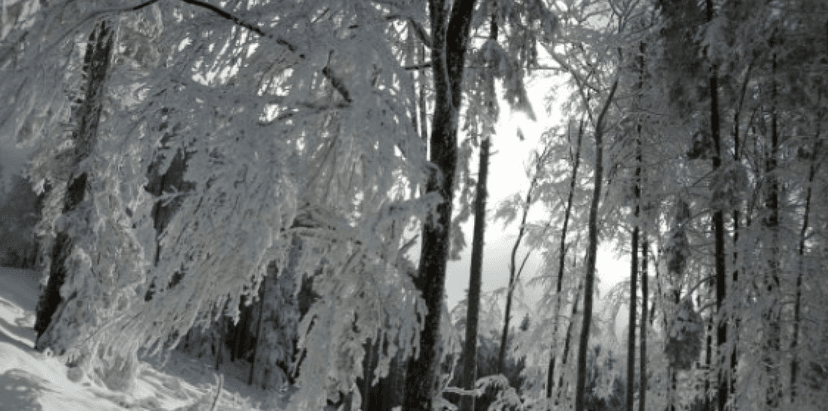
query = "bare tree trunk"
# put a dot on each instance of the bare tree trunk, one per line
(258, 333)
(633, 284)
(771, 223)
(802, 235)
(422, 97)
(642, 388)
(735, 238)
(475, 280)
(450, 38)
(718, 227)
(592, 251)
(476, 274)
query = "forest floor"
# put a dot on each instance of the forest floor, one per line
(33, 381)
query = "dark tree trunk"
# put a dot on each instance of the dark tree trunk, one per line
(258, 334)
(633, 285)
(95, 68)
(718, 227)
(642, 388)
(476, 274)
(798, 298)
(592, 253)
(450, 37)
(771, 223)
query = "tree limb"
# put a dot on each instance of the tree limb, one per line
(337, 82)
(421, 33)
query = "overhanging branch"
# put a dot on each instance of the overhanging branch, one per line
(336, 82)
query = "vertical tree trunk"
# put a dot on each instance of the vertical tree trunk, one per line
(476, 274)
(639, 157)
(735, 238)
(592, 251)
(798, 298)
(450, 37)
(718, 228)
(568, 344)
(642, 387)
(422, 97)
(576, 158)
(95, 68)
(708, 352)
(514, 271)
(773, 330)
(258, 332)
(475, 277)
(633, 284)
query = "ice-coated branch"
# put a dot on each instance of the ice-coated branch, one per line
(336, 82)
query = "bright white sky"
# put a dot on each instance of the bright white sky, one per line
(506, 177)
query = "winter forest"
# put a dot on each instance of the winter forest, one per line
(276, 187)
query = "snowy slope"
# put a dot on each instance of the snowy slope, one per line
(31, 381)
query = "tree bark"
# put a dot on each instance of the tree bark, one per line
(642, 388)
(771, 223)
(633, 286)
(592, 251)
(450, 35)
(475, 277)
(476, 274)
(802, 236)
(718, 228)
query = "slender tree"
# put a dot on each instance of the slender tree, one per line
(801, 261)
(514, 269)
(476, 274)
(592, 251)
(642, 386)
(772, 280)
(575, 157)
(718, 224)
(634, 241)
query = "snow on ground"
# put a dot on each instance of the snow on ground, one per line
(32, 381)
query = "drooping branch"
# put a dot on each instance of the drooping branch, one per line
(327, 71)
